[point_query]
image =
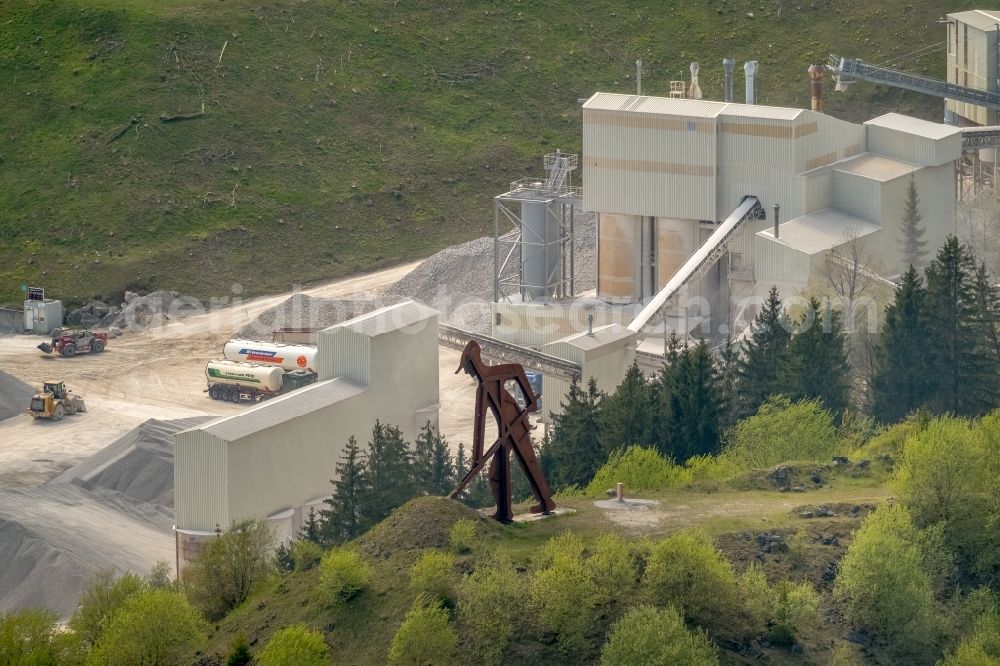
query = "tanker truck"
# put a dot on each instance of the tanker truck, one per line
(236, 381)
(273, 354)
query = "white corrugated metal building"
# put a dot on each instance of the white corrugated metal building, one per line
(972, 61)
(276, 459)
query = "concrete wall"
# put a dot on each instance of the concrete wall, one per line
(11, 321)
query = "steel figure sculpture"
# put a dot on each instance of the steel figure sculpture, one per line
(513, 433)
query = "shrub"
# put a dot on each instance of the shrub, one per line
(650, 637)
(982, 646)
(796, 609)
(566, 544)
(712, 468)
(433, 575)
(151, 627)
(343, 574)
(283, 561)
(305, 554)
(297, 645)
(229, 566)
(757, 598)
(463, 535)
(685, 570)
(31, 637)
(563, 594)
(239, 651)
(104, 595)
(612, 568)
(781, 431)
(489, 605)
(639, 469)
(161, 576)
(882, 584)
(425, 637)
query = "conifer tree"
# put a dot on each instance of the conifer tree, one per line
(342, 519)
(697, 404)
(433, 470)
(729, 369)
(912, 244)
(815, 363)
(388, 472)
(661, 397)
(312, 527)
(988, 323)
(626, 414)
(901, 382)
(575, 453)
(958, 365)
(763, 356)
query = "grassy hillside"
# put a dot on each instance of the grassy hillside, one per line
(342, 136)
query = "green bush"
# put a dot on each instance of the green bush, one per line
(883, 586)
(685, 570)
(796, 610)
(343, 574)
(489, 605)
(305, 554)
(433, 575)
(31, 638)
(781, 431)
(297, 645)
(425, 637)
(562, 593)
(650, 637)
(982, 645)
(463, 535)
(239, 651)
(567, 544)
(151, 627)
(639, 469)
(757, 598)
(229, 566)
(612, 567)
(104, 595)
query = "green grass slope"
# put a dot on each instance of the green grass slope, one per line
(343, 136)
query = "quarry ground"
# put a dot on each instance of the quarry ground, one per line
(160, 374)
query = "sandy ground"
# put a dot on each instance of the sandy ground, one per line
(160, 374)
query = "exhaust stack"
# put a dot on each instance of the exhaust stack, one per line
(638, 77)
(777, 208)
(694, 92)
(816, 77)
(750, 70)
(729, 65)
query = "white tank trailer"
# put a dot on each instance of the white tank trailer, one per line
(235, 381)
(273, 354)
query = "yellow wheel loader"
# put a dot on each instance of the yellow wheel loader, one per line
(55, 401)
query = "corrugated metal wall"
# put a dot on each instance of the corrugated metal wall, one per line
(777, 264)
(912, 148)
(859, 196)
(201, 481)
(532, 325)
(345, 353)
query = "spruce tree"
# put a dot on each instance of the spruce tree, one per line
(763, 356)
(388, 473)
(433, 470)
(901, 382)
(815, 363)
(913, 247)
(312, 528)
(342, 519)
(574, 453)
(697, 404)
(626, 414)
(661, 398)
(729, 368)
(958, 366)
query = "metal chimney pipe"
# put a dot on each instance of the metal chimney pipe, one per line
(590, 325)
(638, 77)
(729, 65)
(816, 76)
(777, 207)
(695, 91)
(750, 70)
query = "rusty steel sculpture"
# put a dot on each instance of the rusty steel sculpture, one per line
(513, 433)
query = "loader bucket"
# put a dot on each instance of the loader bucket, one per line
(45, 347)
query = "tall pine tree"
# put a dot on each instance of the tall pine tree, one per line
(388, 473)
(901, 382)
(342, 519)
(763, 356)
(958, 365)
(815, 364)
(913, 247)
(697, 404)
(574, 452)
(627, 414)
(433, 470)
(729, 370)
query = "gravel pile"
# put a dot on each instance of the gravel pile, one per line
(303, 311)
(14, 396)
(154, 309)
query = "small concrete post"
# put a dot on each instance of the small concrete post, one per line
(620, 491)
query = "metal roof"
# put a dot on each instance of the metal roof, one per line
(876, 167)
(387, 319)
(281, 409)
(915, 126)
(612, 334)
(819, 231)
(978, 18)
(692, 108)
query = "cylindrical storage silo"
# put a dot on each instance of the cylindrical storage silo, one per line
(676, 241)
(618, 258)
(289, 357)
(233, 373)
(540, 248)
